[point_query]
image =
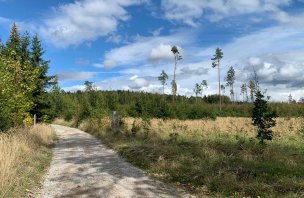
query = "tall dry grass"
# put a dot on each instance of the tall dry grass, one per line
(16, 146)
(286, 128)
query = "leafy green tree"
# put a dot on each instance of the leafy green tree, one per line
(163, 77)
(177, 57)
(15, 91)
(230, 78)
(263, 118)
(217, 57)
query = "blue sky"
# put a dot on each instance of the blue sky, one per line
(124, 44)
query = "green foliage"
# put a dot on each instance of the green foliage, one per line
(22, 83)
(230, 78)
(263, 118)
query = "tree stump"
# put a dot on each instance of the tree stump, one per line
(115, 122)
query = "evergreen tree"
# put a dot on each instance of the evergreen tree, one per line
(263, 118)
(177, 57)
(43, 81)
(217, 57)
(24, 48)
(14, 42)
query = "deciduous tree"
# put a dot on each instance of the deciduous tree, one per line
(230, 78)
(163, 77)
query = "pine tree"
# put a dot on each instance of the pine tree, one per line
(217, 57)
(177, 57)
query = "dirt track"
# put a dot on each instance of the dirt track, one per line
(83, 167)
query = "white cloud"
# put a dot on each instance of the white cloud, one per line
(75, 76)
(98, 65)
(109, 64)
(74, 88)
(140, 82)
(85, 21)
(144, 49)
(161, 52)
(191, 11)
(114, 39)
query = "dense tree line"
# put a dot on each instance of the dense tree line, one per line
(23, 79)
(93, 103)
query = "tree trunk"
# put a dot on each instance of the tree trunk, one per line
(219, 76)
(174, 92)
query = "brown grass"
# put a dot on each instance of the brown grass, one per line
(16, 147)
(286, 128)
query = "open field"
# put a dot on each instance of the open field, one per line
(213, 157)
(24, 155)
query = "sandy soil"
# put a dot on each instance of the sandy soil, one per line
(83, 167)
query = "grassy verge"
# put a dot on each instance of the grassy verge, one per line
(217, 163)
(24, 154)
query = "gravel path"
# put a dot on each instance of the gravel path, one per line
(83, 167)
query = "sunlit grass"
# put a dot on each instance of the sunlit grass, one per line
(24, 154)
(214, 157)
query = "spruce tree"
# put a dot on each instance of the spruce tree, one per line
(263, 118)
(43, 81)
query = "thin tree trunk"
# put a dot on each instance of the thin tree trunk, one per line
(219, 76)
(174, 92)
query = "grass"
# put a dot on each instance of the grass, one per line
(24, 154)
(213, 157)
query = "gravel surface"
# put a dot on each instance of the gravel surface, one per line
(83, 167)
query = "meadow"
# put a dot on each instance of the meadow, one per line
(24, 154)
(206, 157)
